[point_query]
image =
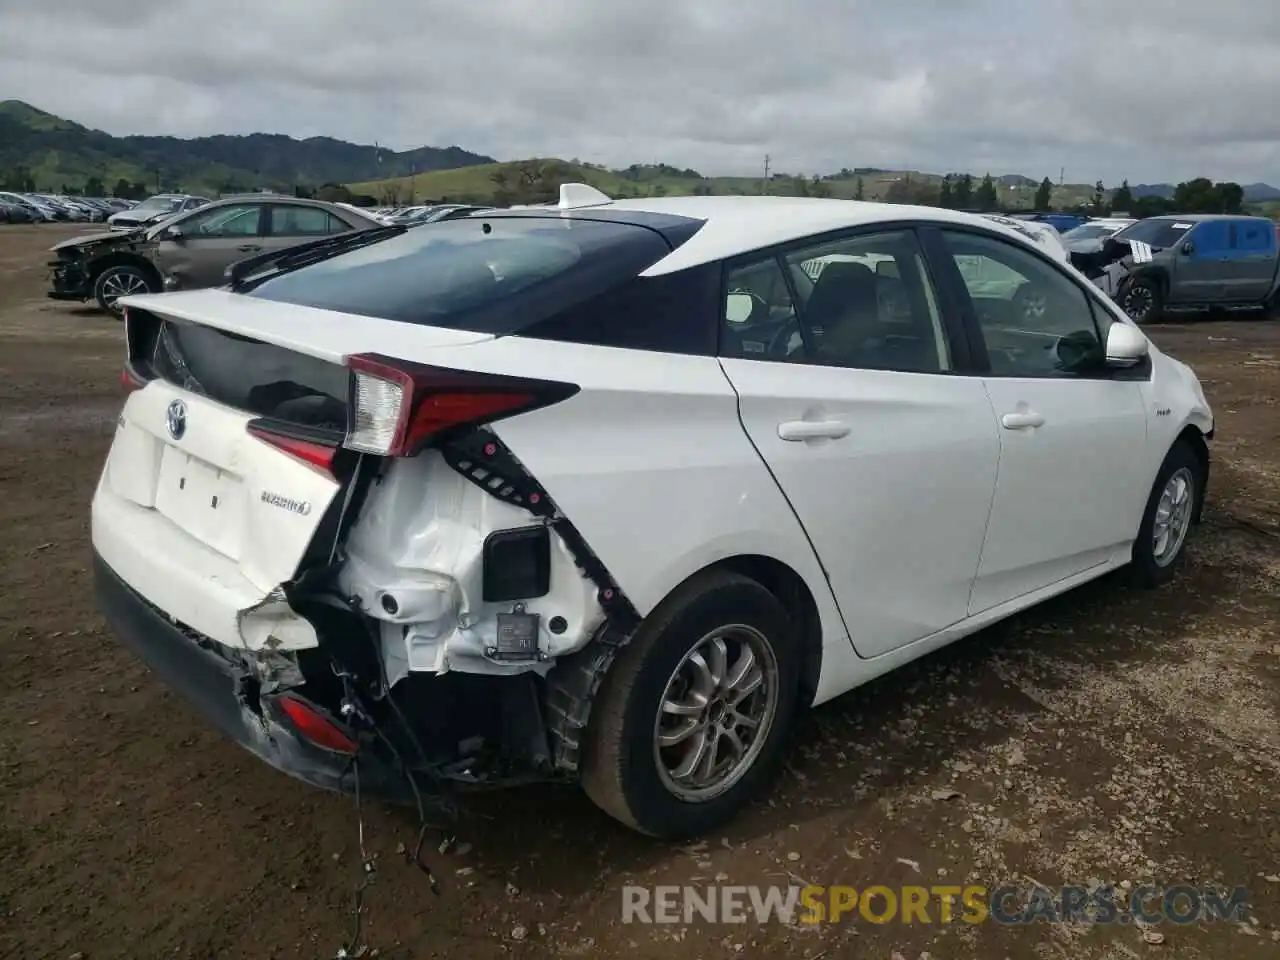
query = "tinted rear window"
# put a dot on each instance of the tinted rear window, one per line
(494, 275)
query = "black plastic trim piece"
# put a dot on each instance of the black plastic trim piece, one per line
(533, 544)
(484, 460)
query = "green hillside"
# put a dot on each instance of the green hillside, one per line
(525, 181)
(39, 151)
(46, 153)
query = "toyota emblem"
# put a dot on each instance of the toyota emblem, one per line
(176, 419)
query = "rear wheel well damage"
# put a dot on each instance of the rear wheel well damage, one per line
(572, 685)
(485, 717)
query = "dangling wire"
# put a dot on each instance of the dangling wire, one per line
(369, 871)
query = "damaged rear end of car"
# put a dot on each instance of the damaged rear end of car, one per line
(329, 550)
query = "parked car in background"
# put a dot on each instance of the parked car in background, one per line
(1062, 222)
(38, 212)
(371, 498)
(191, 249)
(11, 212)
(432, 213)
(1042, 233)
(1088, 237)
(154, 209)
(1189, 263)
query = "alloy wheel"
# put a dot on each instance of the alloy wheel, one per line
(716, 712)
(120, 284)
(1173, 516)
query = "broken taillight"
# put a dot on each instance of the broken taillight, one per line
(130, 378)
(317, 728)
(313, 453)
(398, 406)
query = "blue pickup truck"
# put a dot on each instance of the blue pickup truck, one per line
(1193, 262)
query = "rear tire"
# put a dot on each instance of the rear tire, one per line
(639, 761)
(1171, 511)
(1143, 300)
(118, 281)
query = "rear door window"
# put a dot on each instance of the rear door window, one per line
(295, 220)
(1255, 236)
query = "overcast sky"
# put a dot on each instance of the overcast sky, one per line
(1145, 89)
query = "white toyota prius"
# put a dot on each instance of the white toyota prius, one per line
(607, 491)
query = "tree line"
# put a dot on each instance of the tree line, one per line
(538, 181)
(21, 180)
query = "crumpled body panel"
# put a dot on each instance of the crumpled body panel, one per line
(414, 561)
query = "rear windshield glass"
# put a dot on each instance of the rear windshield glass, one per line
(1090, 231)
(1156, 233)
(493, 275)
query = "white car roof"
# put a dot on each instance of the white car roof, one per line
(740, 224)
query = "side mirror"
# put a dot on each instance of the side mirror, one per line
(1126, 346)
(175, 234)
(1188, 248)
(738, 307)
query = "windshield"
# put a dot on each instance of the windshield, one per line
(158, 204)
(1159, 232)
(491, 275)
(1091, 231)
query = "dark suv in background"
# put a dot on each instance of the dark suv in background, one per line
(193, 249)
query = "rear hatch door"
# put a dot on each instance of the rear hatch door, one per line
(225, 443)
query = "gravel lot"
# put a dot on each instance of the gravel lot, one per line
(1112, 736)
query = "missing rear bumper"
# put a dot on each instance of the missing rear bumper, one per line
(447, 733)
(230, 695)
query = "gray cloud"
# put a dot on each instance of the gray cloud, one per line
(1147, 89)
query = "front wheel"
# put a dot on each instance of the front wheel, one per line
(1171, 510)
(1143, 300)
(693, 718)
(116, 282)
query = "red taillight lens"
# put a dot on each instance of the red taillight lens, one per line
(316, 727)
(313, 453)
(397, 406)
(130, 380)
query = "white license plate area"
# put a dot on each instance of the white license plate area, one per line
(202, 499)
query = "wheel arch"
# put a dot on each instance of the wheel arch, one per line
(1194, 438)
(795, 596)
(124, 258)
(1156, 272)
(575, 680)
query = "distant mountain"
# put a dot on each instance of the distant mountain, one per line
(1253, 192)
(57, 151)
(1260, 192)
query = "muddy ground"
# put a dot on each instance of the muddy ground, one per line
(1112, 735)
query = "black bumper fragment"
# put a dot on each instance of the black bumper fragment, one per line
(208, 677)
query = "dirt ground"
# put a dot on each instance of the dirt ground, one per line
(1111, 735)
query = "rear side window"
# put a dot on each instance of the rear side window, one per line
(499, 275)
(670, 313)
(295, 220)
(1255, 236)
